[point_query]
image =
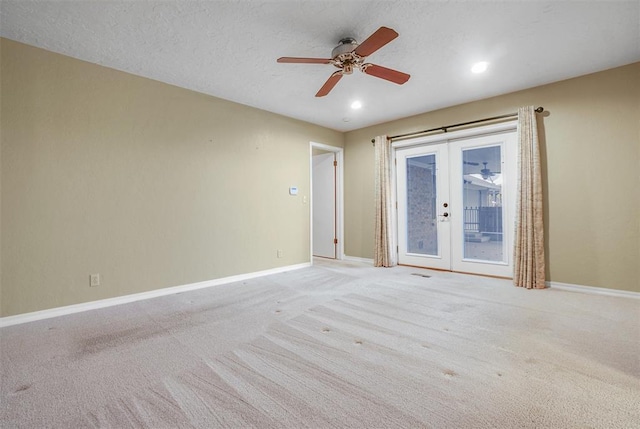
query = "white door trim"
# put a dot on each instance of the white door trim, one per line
(339, 152)
(453, 135)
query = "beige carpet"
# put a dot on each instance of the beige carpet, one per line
(338, 345)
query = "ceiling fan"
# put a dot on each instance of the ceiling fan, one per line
(486, 172)
(349, 55)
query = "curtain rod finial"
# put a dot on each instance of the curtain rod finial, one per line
(540, 109)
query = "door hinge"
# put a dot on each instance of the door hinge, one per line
(335, 163)
(397, 249)
(396, 205)
(335, 241)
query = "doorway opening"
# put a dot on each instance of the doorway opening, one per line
(326, 211)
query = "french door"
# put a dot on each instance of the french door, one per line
(456, 204)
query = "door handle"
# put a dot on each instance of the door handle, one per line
(445, 214)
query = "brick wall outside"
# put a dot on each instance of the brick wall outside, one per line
(421, 211)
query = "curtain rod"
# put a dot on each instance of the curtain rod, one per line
(446, 127)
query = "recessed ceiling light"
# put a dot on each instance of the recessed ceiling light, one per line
(480, 67)
(346, 119)
(356, 105)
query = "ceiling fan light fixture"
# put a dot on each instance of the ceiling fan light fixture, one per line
(347, 68)
(479, 67)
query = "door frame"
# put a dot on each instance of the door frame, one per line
(339, 153)
(446, 137)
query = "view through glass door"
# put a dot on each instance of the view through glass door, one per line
(456, 203)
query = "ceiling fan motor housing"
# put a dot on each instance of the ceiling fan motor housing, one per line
(347, 45)
(344, 58)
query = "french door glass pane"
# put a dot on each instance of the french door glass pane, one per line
(422, 236)
(482, 200)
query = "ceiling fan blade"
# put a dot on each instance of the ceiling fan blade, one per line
(471, 163)
(384, 73)
(296, 60)
(329, 84)
(377, 40)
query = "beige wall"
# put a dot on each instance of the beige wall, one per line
(0, 182)
(147, 184)
(591, 170)
(155, 186)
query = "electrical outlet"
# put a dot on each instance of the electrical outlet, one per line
(279, 253)
(94, 280)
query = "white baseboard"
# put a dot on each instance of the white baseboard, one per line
(357, 259)
(125, 299)
(594, 290)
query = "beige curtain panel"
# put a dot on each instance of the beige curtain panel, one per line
(383, 255)
(529, 265)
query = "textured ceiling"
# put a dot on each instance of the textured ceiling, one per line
(229, 48)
